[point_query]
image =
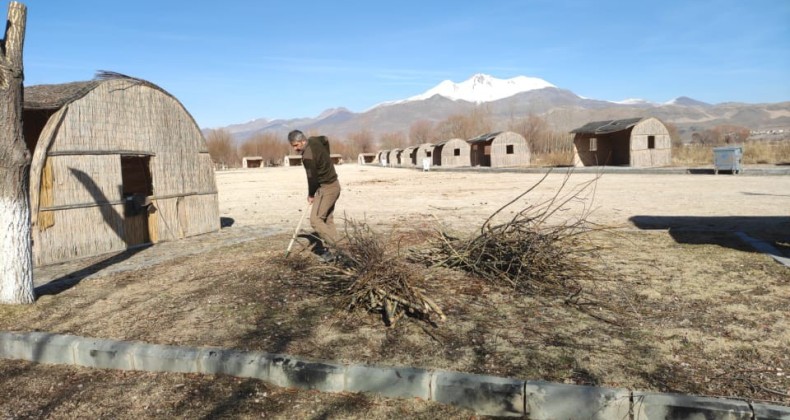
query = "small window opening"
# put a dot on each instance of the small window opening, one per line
(509, 149)
(428, 153)
(593, 144)
(651, 142)
(456, 152)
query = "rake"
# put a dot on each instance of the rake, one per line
(296, 231)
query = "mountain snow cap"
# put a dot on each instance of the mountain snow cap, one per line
(483, 88)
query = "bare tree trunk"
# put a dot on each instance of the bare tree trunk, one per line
(16, 256)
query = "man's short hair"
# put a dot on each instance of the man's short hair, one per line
(295, 136)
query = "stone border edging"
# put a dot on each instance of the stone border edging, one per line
(486, 395)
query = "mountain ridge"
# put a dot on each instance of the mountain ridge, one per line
(506, 99)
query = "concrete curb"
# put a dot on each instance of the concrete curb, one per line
(486, 395)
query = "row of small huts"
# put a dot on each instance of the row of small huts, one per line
(636, 142)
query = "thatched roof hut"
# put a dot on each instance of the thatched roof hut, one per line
(382, 157)
(638, 142)
(499, 150)
(292, 160)
(366, 158)
(424, 151)
(117, 162)
(252, 162)
(455, 153)
(393, 158)
(409, 157)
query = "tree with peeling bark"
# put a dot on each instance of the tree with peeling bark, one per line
(16, 255)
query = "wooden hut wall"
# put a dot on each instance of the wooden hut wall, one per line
(455, 153)
(642, 156)
(119, 117)
(509, 149)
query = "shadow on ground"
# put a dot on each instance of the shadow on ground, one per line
(719, 230)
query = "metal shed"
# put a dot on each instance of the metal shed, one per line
(499, 150)
(117, 162)
(638, 142)
(456, 153)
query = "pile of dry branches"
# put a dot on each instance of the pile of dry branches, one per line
(525, 252)
(371, 277)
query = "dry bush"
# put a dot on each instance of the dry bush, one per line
(371, 275)
(754, 152)
(527, 252)
(268, 146)
(222, 149)
(692, 154)
(765, 152)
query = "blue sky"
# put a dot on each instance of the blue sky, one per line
(232, 61)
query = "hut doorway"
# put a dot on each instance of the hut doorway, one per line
(136, 189)
(481, 154)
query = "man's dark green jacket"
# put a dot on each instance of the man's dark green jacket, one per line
(317, 163)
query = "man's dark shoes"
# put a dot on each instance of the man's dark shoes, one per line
(327, 257)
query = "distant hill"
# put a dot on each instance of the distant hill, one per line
(516, 98)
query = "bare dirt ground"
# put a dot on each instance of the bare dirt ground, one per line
(686, 306)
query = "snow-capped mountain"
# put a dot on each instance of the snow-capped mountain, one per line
(634, 101)
(506, 99)
(482, 88)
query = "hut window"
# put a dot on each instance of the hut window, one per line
(593, 144)
(509, 149)
(456, 152)
(651, 142)
(428, 153)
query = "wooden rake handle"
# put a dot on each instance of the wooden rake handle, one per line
(296, 231)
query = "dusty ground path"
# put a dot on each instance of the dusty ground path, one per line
(401, 197)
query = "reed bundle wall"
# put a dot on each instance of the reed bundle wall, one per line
(644, 157)
(629, 146)
(392, 157)
(409, 157)
(509, 149)
(366, 158)
(455, 153)
(76, 177)
(424, 151)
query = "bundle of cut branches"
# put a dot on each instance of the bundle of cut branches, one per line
(371, 277)
(527, 252)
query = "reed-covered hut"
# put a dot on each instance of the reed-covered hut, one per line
(499, 150)
(409, 157)
(393, 158)
(292, 160)
(382, 157)
(424, 151)
(638, 142)
(366, 158)
(336, 158)
(116, 162)
(252, 162)
(455, 153)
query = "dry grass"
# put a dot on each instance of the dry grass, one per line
(754, 152)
